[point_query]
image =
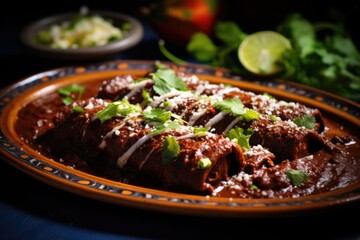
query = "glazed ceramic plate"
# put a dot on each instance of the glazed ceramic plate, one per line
(20, 155)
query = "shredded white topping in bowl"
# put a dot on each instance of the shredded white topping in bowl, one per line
(82, 31)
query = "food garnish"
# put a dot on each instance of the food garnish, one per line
(262, 52)
(322, 55)
(85, 30)
(296, 177)
(67, 92)
(193, 136)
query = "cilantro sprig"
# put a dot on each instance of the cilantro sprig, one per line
(157, 115)
(241, 136)
(165, 81)
(323, 55)
(236, 107)
(118, 108)
(330, 63)
(204, 49)
(307, 121)
(171, 149)
(172, 125)
(162, 121)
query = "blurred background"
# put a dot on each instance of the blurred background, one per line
(251, 16)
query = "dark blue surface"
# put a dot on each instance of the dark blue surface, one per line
(33, 210)
(30, 209)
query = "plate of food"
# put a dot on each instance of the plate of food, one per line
(84, 35)
(184, 139)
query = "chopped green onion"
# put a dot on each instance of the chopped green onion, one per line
(67, 100)
(273, 118)
(118, 108)
(66, 92)
(146, 97)
(167, 104)
(78, 109)
(204, 163)
(253, 187)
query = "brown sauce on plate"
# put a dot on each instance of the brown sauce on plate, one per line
(332, 167)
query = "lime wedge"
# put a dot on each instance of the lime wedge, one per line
(261, 51)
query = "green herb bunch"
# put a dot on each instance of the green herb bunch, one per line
(330, 61)
(322, 55)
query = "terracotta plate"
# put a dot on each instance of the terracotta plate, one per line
(20, 155)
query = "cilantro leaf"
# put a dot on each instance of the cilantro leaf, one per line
(229, 32)
(296, 177)
(202, 47)
(164, 127)
(157, 115)
(236, 107)
(241, 136)
(329, 62)
(251, 114)
(165, 80)
(118, 108)
(343, 45)
(307, 121)
(301, 32)
(171, 149)
(231, 105)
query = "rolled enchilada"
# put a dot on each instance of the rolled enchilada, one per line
(274, 126)
(178, 156)
(131, 88)
(188, 136)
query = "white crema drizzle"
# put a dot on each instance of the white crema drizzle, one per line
(191, 135)
(174, 97)
(102, 145)
(136, 87)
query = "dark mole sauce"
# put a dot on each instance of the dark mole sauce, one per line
(328, 170)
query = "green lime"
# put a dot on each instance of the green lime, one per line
(261, 51)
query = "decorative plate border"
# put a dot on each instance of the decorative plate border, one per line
(10, 149)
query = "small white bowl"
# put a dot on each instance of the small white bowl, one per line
(133, 37)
